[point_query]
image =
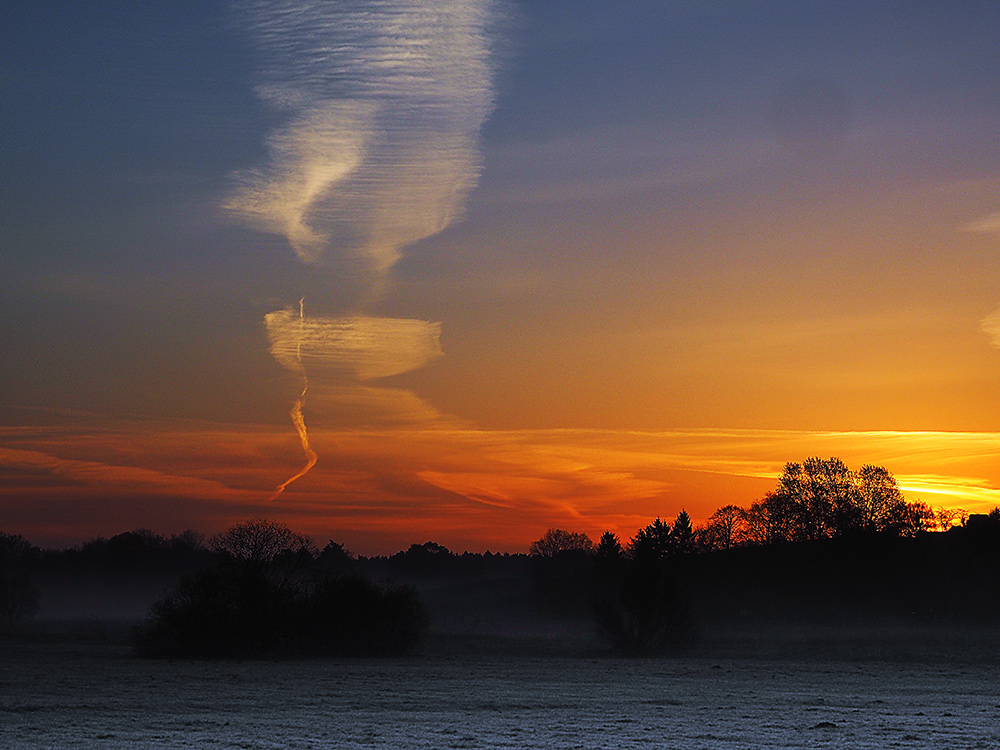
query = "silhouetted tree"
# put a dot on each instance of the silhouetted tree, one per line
(822, 493)
(919, 518)
(18, 593)
(881, 506)
(682, 539)
(948, 517)
(334, 557)
(265, 549)
(14, 548)
(556, 541)
(726, 527)
(189, 540)
(652, 542)
(421, 560)
(609, 549)
(772, 519)
(822, 498)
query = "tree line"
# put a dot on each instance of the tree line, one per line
(260, 588)
(638, 588)
(815, 499)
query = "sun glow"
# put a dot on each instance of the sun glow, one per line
(465, 487)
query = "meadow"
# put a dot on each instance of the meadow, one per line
(90, 691)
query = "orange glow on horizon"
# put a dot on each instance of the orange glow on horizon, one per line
(379, 490)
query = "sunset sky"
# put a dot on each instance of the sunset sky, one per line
(509, 265)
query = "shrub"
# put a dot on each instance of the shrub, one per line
(268, 595)
(18, 602)
(639, 608)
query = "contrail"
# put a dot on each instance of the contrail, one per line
(376, 146)
(297, 415)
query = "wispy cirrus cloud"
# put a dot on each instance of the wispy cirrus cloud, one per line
(385, 101)
(991, 327)
(989, 224)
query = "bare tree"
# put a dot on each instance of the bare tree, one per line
(948, 517)
(772, 519)
(880, 503)
(823, 495)
(727, 527)
(555, 541)
(264, 548)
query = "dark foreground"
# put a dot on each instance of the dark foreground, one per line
(84, 688)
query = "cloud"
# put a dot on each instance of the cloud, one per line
(991, 327)
(368, 347)
(469, 488)
(989, 224)
(967, 490)
(385, 102)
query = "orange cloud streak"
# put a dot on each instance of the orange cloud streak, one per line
(384, 488)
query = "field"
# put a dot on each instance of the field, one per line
(92, 693)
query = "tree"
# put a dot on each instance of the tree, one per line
(772, 519)
(821, 492)
(919, 518)
(15, 548)
(948, 517)
(609, 549)
(335, 557)
(190, 540)
(726, 527)
(265, 549)
(881, 506)
(822, 498)
(429, 558)
(682, 534)
(556, 541)
(651, 542)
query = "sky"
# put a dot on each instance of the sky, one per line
(400, 271)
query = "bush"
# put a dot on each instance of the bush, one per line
(18, 602)
(639, 608)
(216, 613)
(351, 616)
(220, 613)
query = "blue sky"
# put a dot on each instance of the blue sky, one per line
(640, 216)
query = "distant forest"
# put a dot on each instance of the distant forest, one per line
(829, 547)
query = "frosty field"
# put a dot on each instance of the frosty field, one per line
(92, 694)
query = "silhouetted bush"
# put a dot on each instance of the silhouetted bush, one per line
(18, 602)
(351, 616)
(639, 608)
(218, 614)
(269, 595)
(210, 614)
(18, 593)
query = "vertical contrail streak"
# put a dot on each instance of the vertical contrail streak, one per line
(298, 418)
